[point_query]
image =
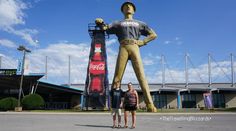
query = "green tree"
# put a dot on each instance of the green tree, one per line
(8, 103)
(32, 101)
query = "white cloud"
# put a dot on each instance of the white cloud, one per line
(11, 14)
(174, 41)
(111, 41)
(58, 62)
(220, 72)
(167, 42)
(8, 62)
(150, 59)
(7, 43)
(25, 34)
(58, 66)
(147, 61)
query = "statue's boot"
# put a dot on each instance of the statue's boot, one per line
(151, 108)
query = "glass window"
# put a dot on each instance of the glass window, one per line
(218, 100)
(160, 100)
(188, 100)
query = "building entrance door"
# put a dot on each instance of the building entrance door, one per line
(188, 101)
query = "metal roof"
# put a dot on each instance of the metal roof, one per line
(173, 87)
(54, 87)
(14, 81)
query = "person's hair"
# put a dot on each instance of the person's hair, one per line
(129, 83)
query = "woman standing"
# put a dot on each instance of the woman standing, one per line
(130, 105)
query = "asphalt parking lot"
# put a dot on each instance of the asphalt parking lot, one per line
(26, 121)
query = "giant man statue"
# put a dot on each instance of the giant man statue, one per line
(128, 32)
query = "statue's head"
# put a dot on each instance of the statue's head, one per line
(128, 8)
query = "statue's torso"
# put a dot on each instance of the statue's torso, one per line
(128, 29)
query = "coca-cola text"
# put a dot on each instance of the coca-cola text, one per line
(97, 67)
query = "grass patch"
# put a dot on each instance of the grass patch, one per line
(70, 111)
(233, 109)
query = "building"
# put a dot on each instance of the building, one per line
(166, 96)
(178, 95)
(55, 96)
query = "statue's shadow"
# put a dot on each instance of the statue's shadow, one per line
(95, 126)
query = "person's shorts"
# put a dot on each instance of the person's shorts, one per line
(130, 107)
(116, 111)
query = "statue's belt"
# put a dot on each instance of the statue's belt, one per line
(128, 41)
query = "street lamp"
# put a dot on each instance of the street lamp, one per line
(21, 48)
(0, 61)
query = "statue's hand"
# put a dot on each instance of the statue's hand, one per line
(140, 43)
(99, 21)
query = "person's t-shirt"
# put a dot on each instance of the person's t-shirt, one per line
(128, 29)
(130, 98)
(116, 95)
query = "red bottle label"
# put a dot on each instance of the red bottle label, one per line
(97, 68)
(96, 84)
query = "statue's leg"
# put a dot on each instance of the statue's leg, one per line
(121, 63)
(139, 71)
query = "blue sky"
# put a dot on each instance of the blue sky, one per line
(196, 27)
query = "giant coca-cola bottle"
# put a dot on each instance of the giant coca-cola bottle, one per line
(96, 87)
(97, 70)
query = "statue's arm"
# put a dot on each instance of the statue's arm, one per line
(152, 35)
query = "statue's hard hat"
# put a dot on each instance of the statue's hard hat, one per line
(127, 3)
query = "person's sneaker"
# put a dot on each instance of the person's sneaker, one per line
(114, 126)
(119, 126)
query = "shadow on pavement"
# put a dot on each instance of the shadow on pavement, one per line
(97, 126)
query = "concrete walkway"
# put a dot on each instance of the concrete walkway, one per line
(96, 121)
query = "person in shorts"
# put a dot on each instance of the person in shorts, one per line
(130, 105)
(116, 104)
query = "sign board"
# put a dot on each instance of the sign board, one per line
(7, 72)
(208, 100)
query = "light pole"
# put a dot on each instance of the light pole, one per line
(21, 48)
(0, 61)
